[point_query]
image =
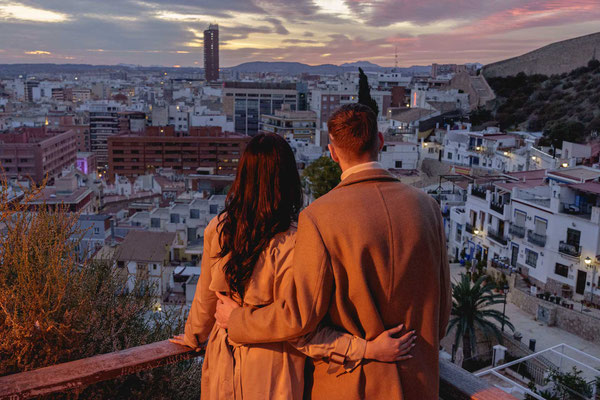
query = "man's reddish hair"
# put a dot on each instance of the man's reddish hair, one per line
(353, 128)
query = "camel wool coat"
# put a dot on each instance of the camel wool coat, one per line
(370, 254)
(262, 371)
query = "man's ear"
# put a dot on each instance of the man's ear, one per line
(381, 140)
(334, 155)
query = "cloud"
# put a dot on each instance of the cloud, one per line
(37, 52)
(171, 32)
(19, 12)
(278, 26)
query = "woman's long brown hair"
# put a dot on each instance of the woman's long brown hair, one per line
(264, 200)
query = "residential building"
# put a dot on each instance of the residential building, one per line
(246, 102)
(145, 258)
(104, 123)
(37, 152)
(93, 232)
(398, 154)
(289, 124)
(205, 150)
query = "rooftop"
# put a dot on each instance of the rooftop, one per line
(145, 246)
(578, 174)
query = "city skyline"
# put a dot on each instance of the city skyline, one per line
(155, 32)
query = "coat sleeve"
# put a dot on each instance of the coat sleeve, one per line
(326, 342)
(304, 300)
(445, 287)
(342, 349)
(201, 318)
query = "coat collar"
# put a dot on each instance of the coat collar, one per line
(368, 175)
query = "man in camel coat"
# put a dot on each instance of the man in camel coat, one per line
(370, 255)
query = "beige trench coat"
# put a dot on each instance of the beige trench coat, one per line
(261, 371)
(370, 254)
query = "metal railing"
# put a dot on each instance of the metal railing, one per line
(516, 230)
(470, 228)
(536, 238)
(498, 207)
(73, 376)
(569, 249)
(478, 192)
(497, 236)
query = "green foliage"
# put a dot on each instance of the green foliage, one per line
(480, 115)
(565, 386)
(570, 131)
(55, 308)
(364, 92)
(321, 176)
(471, 312)
(564, 107)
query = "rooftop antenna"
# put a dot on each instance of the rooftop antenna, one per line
(396, 59)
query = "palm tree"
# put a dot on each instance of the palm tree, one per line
(470, 311)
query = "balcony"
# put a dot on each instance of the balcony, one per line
(498, 207)
(470, 228)
(536, 238)
(497, 236)
(478, 192)
(73, 376)
(516, 230)
(568, 249)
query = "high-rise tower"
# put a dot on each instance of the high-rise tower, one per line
(211, 53)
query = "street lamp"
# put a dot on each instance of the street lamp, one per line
(506, 287)
(476, 231)
(588, 263)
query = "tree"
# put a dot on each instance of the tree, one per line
(471, 312)
(55, 308)
(565, 386)
(321, 176)
(364, 92)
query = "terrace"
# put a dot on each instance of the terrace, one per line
(455, 382)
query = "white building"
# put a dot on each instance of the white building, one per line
(397, 154)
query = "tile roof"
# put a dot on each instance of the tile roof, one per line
(145, 246)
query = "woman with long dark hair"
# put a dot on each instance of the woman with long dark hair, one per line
(248, 250)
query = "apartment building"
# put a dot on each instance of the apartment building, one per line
(545, 224)
(145, 258)
(37, 152)
(246, 102)
(205, 150)
(299, 125)
(187, 219)
(104, 123)
(398, 154)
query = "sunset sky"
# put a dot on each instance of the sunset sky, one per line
(155, 32)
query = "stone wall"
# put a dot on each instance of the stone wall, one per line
(572, 321)
(555, 58)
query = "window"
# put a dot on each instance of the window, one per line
(561, 270)
(449, 156)
(573, 237)
(213, 208)
(520, 218)
(175, 218)
(155, 222)
(398, 164)
(531, 258)
(194, 213)
(96, 230)
(458, 232)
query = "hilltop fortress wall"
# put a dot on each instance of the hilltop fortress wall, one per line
(555, 58)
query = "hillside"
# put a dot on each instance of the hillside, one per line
(296, 68)
(564, 107)
(555, 58)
